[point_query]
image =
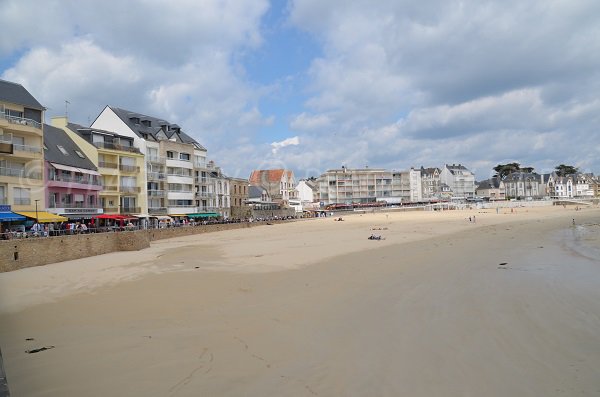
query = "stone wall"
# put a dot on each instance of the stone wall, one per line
(21, 253)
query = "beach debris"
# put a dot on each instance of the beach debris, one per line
(502, 264)
(196, 267)
(41, 349)
(29, 339)
(375, 237)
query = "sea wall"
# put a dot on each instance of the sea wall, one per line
(22, 253)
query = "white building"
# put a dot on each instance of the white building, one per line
(306, 191)
(524, 185)
(459, 179)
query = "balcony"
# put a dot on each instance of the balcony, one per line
(110, 208)
(157, 210)
(22, 201)
(27, 148)
(91, 207)
(131, 210)
(205, 195)
(110, 188)
(156, 193)
(203, 180)
(21, 121)
(84, 181)
(155, 159)
(104, 164)
(116, 146)
(129, 168)
(19, 173)
(129, 189)
(156, 176)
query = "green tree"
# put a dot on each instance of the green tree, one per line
(502, 170)
(563, 170)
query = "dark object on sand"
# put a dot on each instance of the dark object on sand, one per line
(502, 264)
(29, 339)
(41, 349)
(374, 237)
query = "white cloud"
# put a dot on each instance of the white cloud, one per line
(293, 141)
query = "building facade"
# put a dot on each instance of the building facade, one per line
(239, 197)
(21, 149)
(492, 189)
(459, 179)
(407, 185)
(73, 182)
(279, 183)
(431, 183)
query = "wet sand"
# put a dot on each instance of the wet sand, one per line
(509, 305)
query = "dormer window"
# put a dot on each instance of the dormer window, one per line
(62, 150)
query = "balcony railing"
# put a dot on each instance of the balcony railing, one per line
(155, 159)
(26, 148)
(19, 173)
(155, 176)
(116, 146)
(203, 179)
(205, 194)
(157, 210)
(83, 181)
(110, 188)
(74, 205)
(21, 120)
(105, 164)
(156, 193)
(131, 210)
(110, 208)
(179, 174)
(129, 168)
(22, 201)
(129, 189)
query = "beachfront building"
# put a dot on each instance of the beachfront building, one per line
(406, 186)
(72, 179)
(238, 188)
(259, 199)
(307, 191)
(524, 185)
(120, 164)
(280, 184)
(21, 153)
(431, 184)
(180, 181)
(459, 179)
(584, 185)
(492, 189)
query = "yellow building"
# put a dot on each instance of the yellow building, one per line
(21, 149)
(120, 164)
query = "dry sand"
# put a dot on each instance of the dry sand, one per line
(313, 308)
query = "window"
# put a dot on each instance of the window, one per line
(184, 156)
(62, 150)
(127, 161)
(21, 196)
(79, 154)
(170, 154)
(153, 154)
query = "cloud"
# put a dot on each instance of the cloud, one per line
(293, 141)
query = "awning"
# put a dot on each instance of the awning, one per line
(141, 215)
(10, 216)
(42, 216)
(204, 215)
(114, 216)
(163, 218)
(179, 215)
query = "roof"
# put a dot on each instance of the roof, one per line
(259, 177)
(55, 137)
(456, 167)
(80, 129)
(17, 94)
(492, 183)
(521, 176)
(152, 128)
(255, 191)
(430, 170)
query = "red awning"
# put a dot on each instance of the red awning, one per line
(115, 217)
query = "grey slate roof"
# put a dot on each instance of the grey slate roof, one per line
(522, 176)
(17, 94)
(454, 167)
(492, 183)
(80, 130)
(55, 136)
(255, 192)
(154, 129)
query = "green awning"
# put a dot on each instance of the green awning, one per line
(204, 215)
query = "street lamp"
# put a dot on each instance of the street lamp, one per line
(36, 211)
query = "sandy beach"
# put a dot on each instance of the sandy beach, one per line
(506, 305)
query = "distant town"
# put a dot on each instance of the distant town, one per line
(129, 165)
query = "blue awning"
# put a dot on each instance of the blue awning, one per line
(11, 216)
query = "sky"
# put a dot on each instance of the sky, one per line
(312, 85)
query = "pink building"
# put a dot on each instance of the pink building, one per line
(72, 181)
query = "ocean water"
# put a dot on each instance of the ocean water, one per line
(583, 239)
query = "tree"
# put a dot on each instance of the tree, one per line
(528, 170)
(564, 170)
(502, 170)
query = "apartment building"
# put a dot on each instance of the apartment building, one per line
(431, 183)
(459, 179)
(21, 153)
(359, 185)
(406, 186)
(120, 164)
(180, 181)
(72, 180)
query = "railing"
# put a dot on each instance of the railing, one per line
(83, 181)
(129, 189)
(202, 179)
(153, 176)
(179, 174)
(27, 148)
(22, 201)
(179, 191)
(19, 173)
(157, 210)
(110, 188)
(130, 210)
(129, 168)
(155, 159)
(115, 146)
(105, 164)
(156, 193)
(205, 194)
(111, 208)
(74, 205)
(21, 120)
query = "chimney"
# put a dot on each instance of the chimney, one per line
(59, 121)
